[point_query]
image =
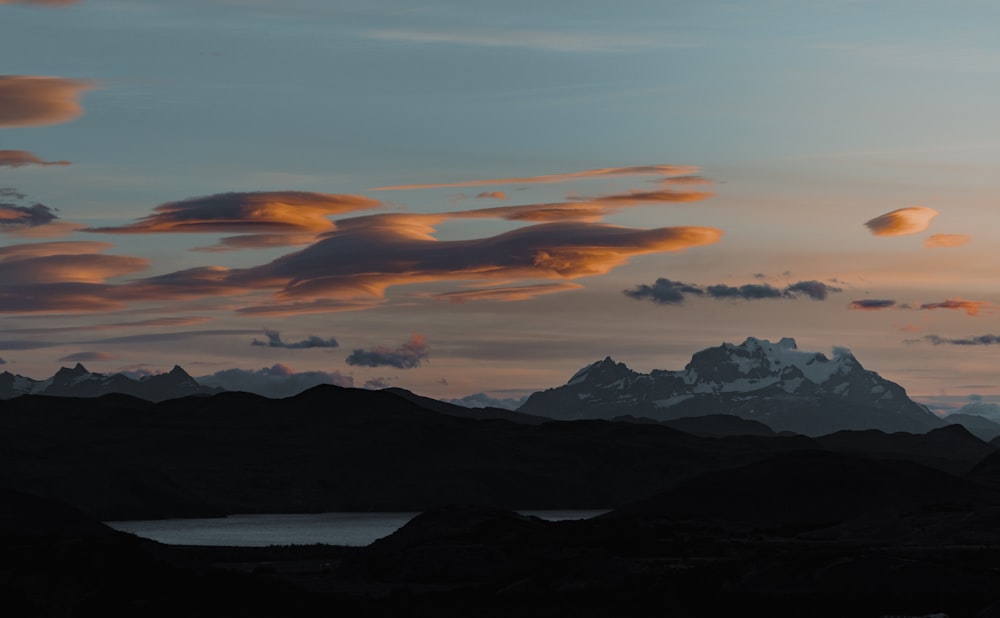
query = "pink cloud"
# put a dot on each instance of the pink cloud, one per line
(970, 307)
(902, 221)
(29, 100)
(20, 158)
(946, 240)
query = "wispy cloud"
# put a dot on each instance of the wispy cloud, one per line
(20, 158)
(946, 240)
(639, 170)
(30, 100)
(974, 340)
(581, 208)
(547, 40)
(279, 212)
(86, 357)
(274, 341)
(902, 221)
(405, 356)
(507, 294)
(492, 195)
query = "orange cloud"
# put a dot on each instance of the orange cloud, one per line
(902, 221)
(946, 240)
(970, 307)
(257, 241)
(492, 195)
(19, 158)
(274, 211)
(61, 277)
(28, 100)
(590, 209)
(41, 249)
(509, 294)
(640, 170)
(351, 267)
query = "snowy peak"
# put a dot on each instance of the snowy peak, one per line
(775, 383)
(758, 363)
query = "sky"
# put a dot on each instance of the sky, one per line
(457, 197)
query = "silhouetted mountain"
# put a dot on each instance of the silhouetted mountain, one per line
(775, 384)
(720, 426)
(952, 448)
(978, 426)
(78, 382)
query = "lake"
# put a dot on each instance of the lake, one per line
(355, 529)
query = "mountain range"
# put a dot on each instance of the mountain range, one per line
(79, 382)
(775, 385)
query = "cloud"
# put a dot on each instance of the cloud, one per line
(405, 356)
(871, 304)
(32, 220)
(902, 221)
(378, 383)
(582, 209)
(639, 170)
(816, 290)
(946, 240)
(274, 341)
(749, 291)
(66, 277)
(265, 211)
(29, 100)
(276, 381)
(399, 249)
(664, 291)
(507, 294)
(84, 357)
(548, 40)
(13, 216)
(976, 340)
(667, 292)
(970, 307)
(492, 195)
(20, 158)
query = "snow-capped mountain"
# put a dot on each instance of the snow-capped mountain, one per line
(78, 382)
(775, 383)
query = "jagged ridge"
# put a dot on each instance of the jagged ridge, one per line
(79, 382)
(774, 383)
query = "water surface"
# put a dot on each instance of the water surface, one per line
(356, 529)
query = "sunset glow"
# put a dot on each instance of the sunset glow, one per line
(488, 199)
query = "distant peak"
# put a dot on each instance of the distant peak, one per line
(178, 371)
(601, 369)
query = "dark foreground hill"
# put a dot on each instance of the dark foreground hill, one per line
(339, 449)
(852, 524)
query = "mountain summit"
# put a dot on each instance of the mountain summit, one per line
(774, 383)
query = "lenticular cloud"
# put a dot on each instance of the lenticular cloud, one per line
(903, 221)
